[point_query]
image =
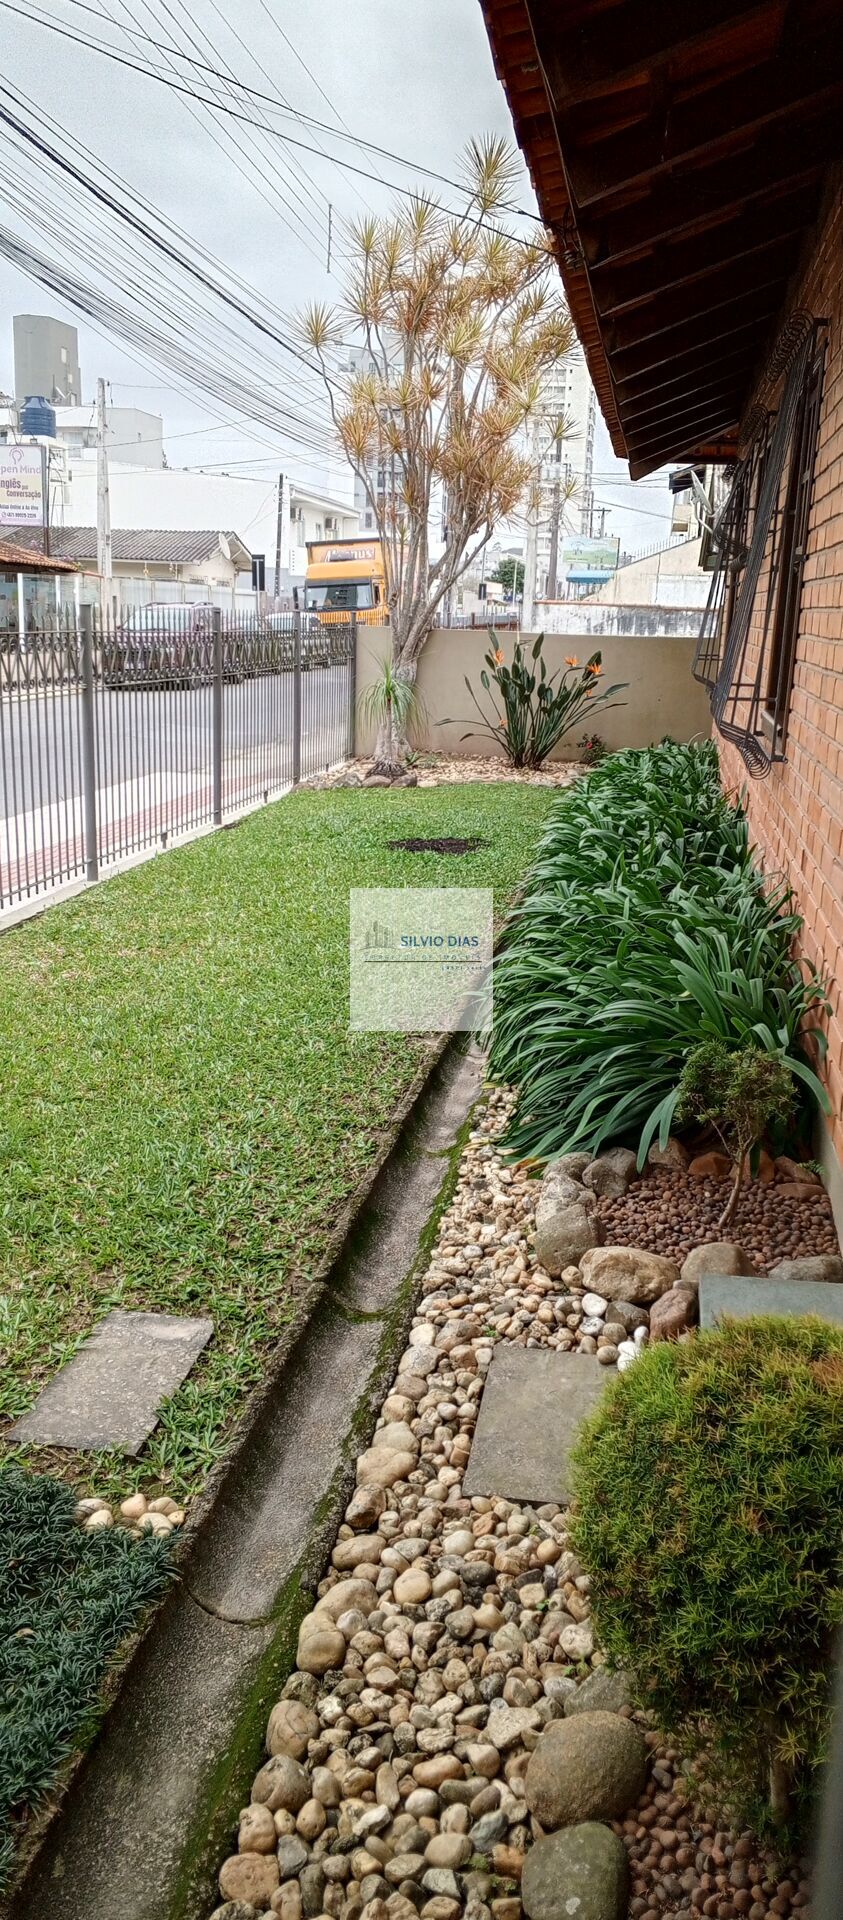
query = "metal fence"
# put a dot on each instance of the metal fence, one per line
(117, 739)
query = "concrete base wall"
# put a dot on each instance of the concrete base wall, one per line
(660, 697)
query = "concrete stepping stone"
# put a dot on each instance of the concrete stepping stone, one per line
(111, 1392)
(533, 1404)
(740, 1299)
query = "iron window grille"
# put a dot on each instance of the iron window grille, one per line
(746, 650)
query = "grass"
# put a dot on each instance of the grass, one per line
(183, 1109)
(68, 1599)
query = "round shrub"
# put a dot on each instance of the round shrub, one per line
(709, 1513)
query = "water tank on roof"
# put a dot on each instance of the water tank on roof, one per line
(37, 416)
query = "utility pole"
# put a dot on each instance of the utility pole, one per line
(104, 567)
(531, 555)
(279, 531)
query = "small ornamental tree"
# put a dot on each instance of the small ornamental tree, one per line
(708, 1512)
(740, 1092)
(460, 319)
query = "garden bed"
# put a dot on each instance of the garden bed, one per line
(185, 1111)
(453, 1632)
(669, 1213)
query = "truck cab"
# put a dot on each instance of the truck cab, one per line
(344, 577)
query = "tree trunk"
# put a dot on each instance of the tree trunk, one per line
(779, 1783)
(730, 1208)
(392, 745)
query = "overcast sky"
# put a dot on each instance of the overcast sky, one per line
(415, 76)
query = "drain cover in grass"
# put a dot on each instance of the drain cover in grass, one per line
(532, 1406)
(111, 1392)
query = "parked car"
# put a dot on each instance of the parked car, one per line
(168, 646)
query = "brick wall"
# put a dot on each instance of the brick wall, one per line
(796, 813)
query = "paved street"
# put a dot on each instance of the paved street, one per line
(154, 765)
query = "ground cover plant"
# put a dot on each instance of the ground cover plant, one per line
(67, 1601)
(647, 929)
(183, 1109)
(709, 1507)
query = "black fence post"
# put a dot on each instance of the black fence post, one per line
(352, 688)
(216, 715)
(89, 751)
(296, 698)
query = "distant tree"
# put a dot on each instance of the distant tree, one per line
(510, 574)
(461, 320)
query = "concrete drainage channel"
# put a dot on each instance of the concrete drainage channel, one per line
(141, 1833)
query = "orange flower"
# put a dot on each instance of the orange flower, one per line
(596, 670)
(499, 656)
(571, 660)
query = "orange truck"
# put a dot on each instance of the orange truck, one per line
(345, 577)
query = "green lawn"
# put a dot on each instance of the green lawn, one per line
(183, 1110)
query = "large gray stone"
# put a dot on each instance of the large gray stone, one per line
(111, 1392)
(724, 1257)
(628, 1273)
(738, 1299)
(566, 1225)
(533, 1404)
(589, 1766)
(602, 1691)
(579, 1874)
(612, 1173)
(816, 1266)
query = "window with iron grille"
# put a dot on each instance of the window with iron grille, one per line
(746, 651)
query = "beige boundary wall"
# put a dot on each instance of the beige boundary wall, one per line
(661, 696)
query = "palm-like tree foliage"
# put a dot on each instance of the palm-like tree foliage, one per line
(460, 320)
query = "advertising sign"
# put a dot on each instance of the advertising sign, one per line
(21, 486)
(586, 553)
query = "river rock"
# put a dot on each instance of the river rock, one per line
(291, 1725)
(819, 1266)
(321, 1646)
(674, 1156)
(565, 1226)
(589, 1766)
(579, 1874)
(602, 1691)
(710, 1166)
(252, 1877)
(345, 1597)
(569, 1166)
(383, 1466)
(281, 1783)
(628, 1273)
(673, 1313)
(612, 1173)
(723, 1257)
(256, 1832)
(361, 1548)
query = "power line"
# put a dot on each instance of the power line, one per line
(218, 106)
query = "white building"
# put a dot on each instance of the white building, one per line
(567, 464)
(132, 436)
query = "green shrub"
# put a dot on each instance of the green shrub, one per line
(67, 1600)
(708, 1511)
(740, 1093)
(646, 929)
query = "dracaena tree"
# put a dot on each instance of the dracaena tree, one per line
(460, 320)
